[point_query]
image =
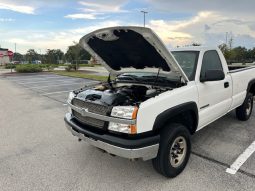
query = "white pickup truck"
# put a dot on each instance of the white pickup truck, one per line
(155, 99)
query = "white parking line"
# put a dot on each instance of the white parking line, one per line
(46, 81)
(56, 92)
(241, 159)
(31, 75)
(42, 87)
(88, 84)
(38, 80)
(44, 77)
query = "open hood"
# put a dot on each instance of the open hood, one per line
(130, 49)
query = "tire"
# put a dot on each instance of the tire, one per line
(164, 163)
(244, 112)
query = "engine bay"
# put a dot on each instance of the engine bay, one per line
(125, 95)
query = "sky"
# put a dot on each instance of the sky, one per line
(55, 24)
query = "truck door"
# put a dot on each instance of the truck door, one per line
(215, 97)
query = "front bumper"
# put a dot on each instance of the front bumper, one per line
(143, 148)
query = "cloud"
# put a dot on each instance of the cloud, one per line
(92, 9)
(6, 20)
(194, 6)
(103, 6)
(181, 32)
(51, 40)
(207, 27)
(16, 7)
(82, 16)
(199, 21)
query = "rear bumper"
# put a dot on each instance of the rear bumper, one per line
(144, 148)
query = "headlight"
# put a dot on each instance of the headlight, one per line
(69, 99)
(126, 112)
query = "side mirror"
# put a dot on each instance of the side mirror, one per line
(212, 75)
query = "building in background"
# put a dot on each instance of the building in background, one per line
(4, 58)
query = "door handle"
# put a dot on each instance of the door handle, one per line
(226, 84)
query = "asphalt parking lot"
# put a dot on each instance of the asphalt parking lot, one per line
(51, 85)
(38, 153)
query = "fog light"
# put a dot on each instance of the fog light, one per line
(122, 128)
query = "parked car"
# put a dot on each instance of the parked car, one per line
(158, 98)
(15, 62)
(36, 62)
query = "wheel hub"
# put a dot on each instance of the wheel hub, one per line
(178, 151)
(249, 106)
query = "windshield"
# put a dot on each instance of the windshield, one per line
(188, 62)
(148, 78)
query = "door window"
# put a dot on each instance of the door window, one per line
(211, 61)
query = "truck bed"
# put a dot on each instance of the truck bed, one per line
(237, 68)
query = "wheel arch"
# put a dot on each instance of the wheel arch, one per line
(251, 87)
(186, 114)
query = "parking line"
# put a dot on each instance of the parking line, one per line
(31, 75)
(42, 81)
(91, 83)
(42, 87)
(29, 79)
(56, 92)
(241, 159)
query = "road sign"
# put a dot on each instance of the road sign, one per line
(10, 53)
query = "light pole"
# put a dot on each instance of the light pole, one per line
(144, 15)
(226, 38)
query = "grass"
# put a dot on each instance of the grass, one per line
(78, 74)
(89, 65)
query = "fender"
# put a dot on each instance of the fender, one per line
(166, 116)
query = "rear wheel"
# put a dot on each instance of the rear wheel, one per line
(244, 112)
(174, 151)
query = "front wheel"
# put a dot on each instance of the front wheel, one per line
(244, 112)
(174, 150)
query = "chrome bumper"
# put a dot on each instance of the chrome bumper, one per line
(144, 153)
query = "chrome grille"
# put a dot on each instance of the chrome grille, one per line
(92, 107)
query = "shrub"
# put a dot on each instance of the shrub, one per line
(9, 66)
(70, 67)
(28, 68)
(48, 67)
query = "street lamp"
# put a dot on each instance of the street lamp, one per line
(144, 14)
(226, 38)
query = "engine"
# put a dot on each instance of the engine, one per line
(124, 95)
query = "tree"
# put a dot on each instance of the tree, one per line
(195, 44)
(31, 55)
(76, 52)
(238, 54)
(53, 56)
(225, 50)
(18, 57)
